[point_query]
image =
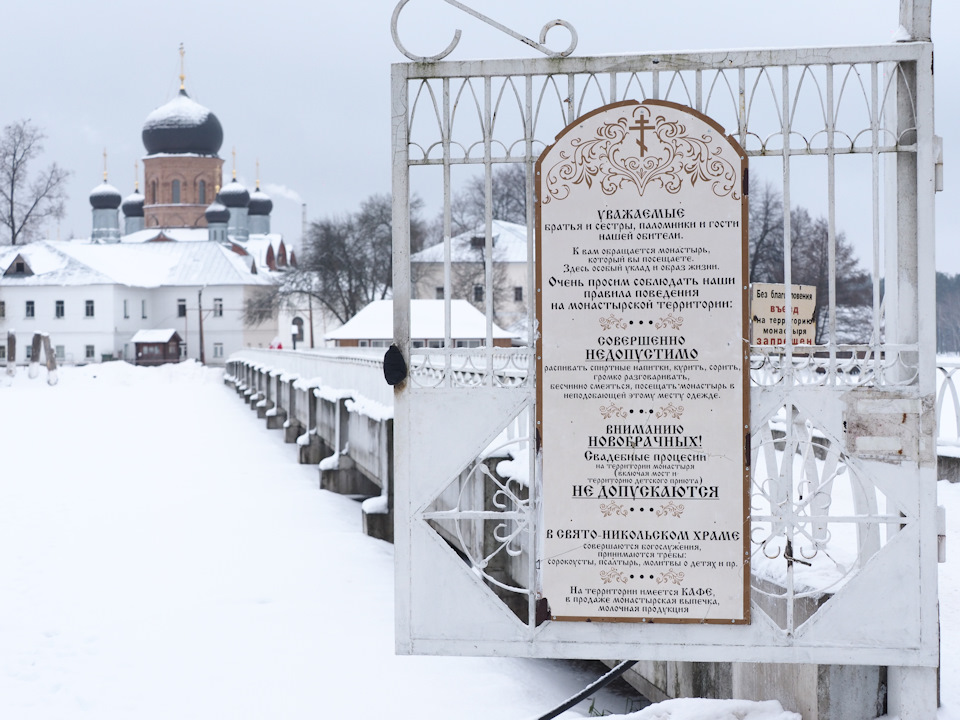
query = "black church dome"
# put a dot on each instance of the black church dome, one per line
(133, 205)
(105, 197)
(181, 127)
(260, 203)
(234, 195)
(216, 213)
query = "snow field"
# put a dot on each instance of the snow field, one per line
(163, 555)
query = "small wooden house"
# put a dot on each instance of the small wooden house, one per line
(156, 347)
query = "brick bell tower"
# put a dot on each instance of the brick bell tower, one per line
(181, 169)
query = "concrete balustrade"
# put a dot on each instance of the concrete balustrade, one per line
(335, 406)
(338, 411)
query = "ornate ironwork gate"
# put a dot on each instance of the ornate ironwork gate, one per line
(843, 511)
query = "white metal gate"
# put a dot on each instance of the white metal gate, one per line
(843, 512)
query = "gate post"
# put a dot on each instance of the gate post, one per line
(912, 693)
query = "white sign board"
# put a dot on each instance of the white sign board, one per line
(768, 311)
(642, 368)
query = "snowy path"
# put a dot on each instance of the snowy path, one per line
(163, 556)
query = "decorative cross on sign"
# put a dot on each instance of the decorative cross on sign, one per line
(643, 125)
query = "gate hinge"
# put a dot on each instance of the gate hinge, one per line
(938, 163)
(941, 534)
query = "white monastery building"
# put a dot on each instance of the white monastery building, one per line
(186, 258)
(467, 272)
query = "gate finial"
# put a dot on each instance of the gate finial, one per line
(503, 28)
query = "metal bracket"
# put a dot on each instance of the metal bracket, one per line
(503, 28)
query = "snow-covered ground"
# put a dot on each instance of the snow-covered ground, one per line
(163, 556)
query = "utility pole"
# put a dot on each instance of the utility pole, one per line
(203, 360)
(310, 315)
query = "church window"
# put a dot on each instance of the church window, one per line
(182, 307)
(126, 309)
(218, 350)
(29, 309)
(89, 352)
(58, 309)
(175, 191)
(218, 307)
(202, 192)
(153, 192)
(478, 293)
(143, 309)
(88, 308)
(60, 352)
(3, 308)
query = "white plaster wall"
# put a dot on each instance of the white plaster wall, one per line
(74, 330)
(429, 276)
(111, 328)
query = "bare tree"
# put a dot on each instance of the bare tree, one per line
(766, 234)
(346, 262)
(26, 204)
(809, 254)
(468, 280)
(508, 199)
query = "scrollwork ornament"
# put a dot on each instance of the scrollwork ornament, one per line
(671, 576)
(674, 411)
(612, 321)
(540, 46)
(611, 575)
(616, 158)
(609, 509)
(608, 411)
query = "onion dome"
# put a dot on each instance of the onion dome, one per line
(234, 195)
(260, 203)
(133, 205)
(105, 197)
(217, 213)
(182, 126)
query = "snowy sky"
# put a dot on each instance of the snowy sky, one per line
(305, 87)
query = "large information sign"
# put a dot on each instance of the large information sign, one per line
(642, 385)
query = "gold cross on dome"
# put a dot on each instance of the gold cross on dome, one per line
(182, 76)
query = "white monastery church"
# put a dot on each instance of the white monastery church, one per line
(188, 255)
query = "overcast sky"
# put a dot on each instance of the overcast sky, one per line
(304, 86)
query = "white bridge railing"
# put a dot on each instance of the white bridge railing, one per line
(361, 370)
(948, 405)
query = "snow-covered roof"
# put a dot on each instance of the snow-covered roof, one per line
(134, 265)
(175, 234)
(49, 266)
(159, 335)
(375, 322)
(509, 245)
(258, 245)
